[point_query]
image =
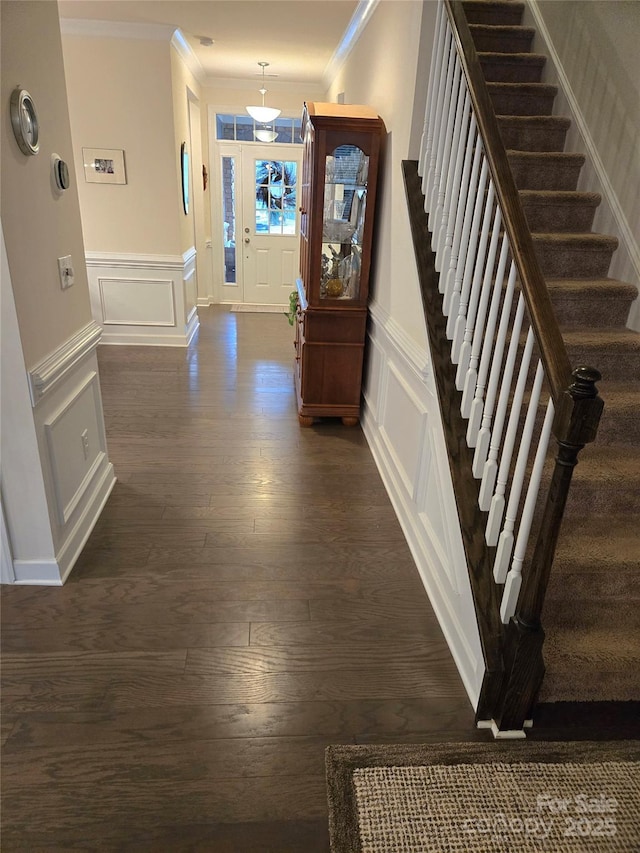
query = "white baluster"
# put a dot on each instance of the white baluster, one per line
(437, 72)
(486, 345)
(484, 436)
(506, 538)
(514, 578)
(442, 134)
(454, 319)
(490, 469)
(432, 93)
(453, 193)
(496, 510)
(437, 116)
(479, 300)
(463, 197)
(455, 109)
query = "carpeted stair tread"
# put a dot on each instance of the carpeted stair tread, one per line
(545, 170)
(522, 99)
(512, 67)
(559, 210)
(569, 255)
(584, 301)
(533, 133)
(501, 39)
(493, 12)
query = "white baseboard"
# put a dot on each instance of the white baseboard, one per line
(401, 421)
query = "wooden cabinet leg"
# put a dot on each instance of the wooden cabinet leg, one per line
(305, 421)
(350, 422)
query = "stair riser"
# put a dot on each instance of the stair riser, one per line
(506, 71)
(572, 262)
(545, 176)
(500, 42)
(618, 427)
(522, 104)
(617, 499)
(531, 137)
(611, 585)
(615, 366)
(588, 310)
(559, 218)
(507, 14)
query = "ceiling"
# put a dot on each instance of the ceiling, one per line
(297, 37)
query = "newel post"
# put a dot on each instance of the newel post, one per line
(575, 424)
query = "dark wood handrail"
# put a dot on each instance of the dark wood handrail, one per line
(553, 352)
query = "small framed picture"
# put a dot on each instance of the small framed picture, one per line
(104, 165)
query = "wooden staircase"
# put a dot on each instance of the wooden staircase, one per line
(592, 612)
(591, 615)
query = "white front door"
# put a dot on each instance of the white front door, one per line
(269, 240)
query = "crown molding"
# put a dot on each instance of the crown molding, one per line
(359, 20)
(115, 29)
(186, 54)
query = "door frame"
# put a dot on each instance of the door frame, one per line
(231, 293)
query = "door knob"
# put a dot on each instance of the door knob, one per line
(247, 240)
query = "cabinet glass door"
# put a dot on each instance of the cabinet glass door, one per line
(345, 200)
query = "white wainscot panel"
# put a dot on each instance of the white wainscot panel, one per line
(76, 444)
(403, 425)
(372, 385)
(137, 302)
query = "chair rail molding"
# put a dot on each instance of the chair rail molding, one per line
(48, 372)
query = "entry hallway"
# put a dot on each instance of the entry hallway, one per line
(246, 599)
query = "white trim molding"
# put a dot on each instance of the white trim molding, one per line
(402, 423)
(186, 54)
(359, 20)
(47, 373)
(147, 300)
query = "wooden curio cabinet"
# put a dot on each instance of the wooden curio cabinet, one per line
(339, 180)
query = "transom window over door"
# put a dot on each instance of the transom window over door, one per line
(275, 193)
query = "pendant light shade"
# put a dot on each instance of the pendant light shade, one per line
(262, 114)
(265, 135)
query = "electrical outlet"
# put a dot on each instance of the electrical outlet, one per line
(65, 270)
(85, 443)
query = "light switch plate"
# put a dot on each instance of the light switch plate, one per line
(65, 269)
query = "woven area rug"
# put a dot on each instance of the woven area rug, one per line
(250, 308)
(478, 798)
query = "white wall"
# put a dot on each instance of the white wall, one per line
(120, 97)
(40, 224)
(56, 474)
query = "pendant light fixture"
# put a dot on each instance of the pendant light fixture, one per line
(263, 114)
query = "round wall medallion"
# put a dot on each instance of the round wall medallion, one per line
(24, 121)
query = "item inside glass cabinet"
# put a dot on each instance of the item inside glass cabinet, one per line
(345, 198)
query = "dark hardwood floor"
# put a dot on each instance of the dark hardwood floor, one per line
(246, 599)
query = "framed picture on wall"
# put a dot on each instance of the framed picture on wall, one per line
(104, 166)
